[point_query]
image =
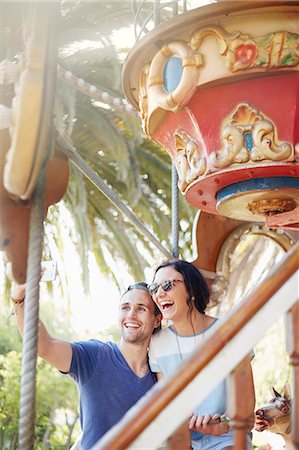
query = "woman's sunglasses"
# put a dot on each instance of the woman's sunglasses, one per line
(166, 285)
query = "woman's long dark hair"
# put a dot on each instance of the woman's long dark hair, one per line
(196, 285)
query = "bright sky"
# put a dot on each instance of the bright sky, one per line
(125, 38)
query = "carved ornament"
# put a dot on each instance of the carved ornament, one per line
(189, 160)
(244, 52)
(143, 97)
(249, 136)
(271, 206)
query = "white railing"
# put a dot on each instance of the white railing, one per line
(158, 414)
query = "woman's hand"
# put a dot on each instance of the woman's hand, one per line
(208, 424)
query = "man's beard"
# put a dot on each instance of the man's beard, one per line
(133, 339)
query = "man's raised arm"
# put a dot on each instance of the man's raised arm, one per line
(56, 352)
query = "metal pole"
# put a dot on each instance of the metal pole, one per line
(174, 191)
(174, 211)
(156, 6)
(79, 162)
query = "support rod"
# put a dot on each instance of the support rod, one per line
(79, 162)
(174, 211)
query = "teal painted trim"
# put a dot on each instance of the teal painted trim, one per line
(257, 184)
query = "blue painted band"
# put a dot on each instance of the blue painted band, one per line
(257, 184)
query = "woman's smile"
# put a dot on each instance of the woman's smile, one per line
(165, 305)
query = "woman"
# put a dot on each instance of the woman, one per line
(182, 295)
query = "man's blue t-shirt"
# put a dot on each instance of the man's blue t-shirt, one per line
(107, 385)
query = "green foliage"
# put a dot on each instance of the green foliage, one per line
(112, 142)
(56, 398)
(9, 398)
(9, 336)
(110, 334)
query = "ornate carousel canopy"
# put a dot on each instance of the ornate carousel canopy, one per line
(218, 88)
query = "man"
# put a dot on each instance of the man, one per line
(110, 377)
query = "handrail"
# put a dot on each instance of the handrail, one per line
(137, 420)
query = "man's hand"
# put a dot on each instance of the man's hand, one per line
(208, 424)
(17, 292)
(56, 352)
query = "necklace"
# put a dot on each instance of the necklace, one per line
(194, 337)
(178, 345)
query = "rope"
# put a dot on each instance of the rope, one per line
(31, 317)
(79, 162)
(36, 235)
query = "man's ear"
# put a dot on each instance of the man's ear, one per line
(158, 320)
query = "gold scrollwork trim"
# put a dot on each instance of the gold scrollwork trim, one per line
(143, 97)
(219, 33)
(189, 160)
(265, 144)
(188, 62)
(156, 81)
(244, 52)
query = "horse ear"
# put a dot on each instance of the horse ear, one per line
(275, 393)
(287, 391)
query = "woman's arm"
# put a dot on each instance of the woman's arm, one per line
(211, 424)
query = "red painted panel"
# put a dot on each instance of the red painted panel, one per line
(275, 96)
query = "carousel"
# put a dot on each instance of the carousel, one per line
(218, 88)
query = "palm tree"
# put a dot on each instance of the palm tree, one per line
(108, 136)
